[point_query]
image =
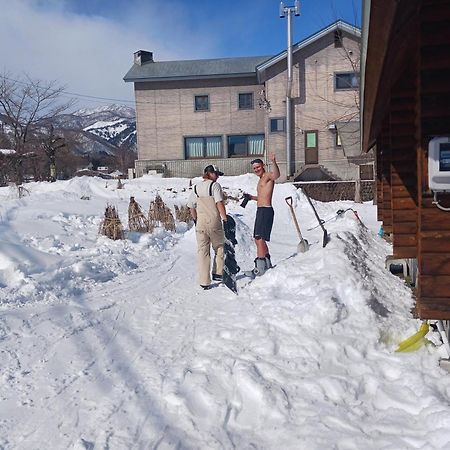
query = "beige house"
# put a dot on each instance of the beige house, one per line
(232, 110)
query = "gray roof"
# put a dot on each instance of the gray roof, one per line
(194, 69)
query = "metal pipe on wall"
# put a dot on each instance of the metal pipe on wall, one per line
(288, 96)
(289, 10)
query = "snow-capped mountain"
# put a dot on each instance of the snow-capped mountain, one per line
(120, 110)
(100, 130)
(93, 132)
(116, 132)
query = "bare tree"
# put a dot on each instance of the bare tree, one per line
(125, 155)
(51, 145)
(27, 106)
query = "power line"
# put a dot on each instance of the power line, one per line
(71, 94)
(106, 100)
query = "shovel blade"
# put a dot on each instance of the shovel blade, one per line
(302, 246)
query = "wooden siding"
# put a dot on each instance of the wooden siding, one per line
(434, 101)
(403, 165)
(407, 105)
(415, 108)
(379, 183)
(385, 147)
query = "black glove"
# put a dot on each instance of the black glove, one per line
(247, 197)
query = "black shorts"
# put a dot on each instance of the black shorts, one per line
(263, 223)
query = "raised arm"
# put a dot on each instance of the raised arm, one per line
(275, 172)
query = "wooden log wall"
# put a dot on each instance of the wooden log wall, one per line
(403, 146)
(433, 299)
(384, 210)
(384, 140)
(378, 197)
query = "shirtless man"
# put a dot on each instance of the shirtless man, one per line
(264, 213)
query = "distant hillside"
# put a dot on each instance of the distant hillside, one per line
(101, 130)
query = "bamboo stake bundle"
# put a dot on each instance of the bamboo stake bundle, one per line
(111, 225)
(183, 214)
(136, 218)
(159, 213)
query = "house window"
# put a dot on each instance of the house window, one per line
(246, 101)
(277, 124)
(246, 145)
(337, 141)
(347, 80)
(203, 147)
(311, 139)
(201, 103)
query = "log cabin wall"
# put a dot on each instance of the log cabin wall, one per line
(433, 299)
(404, 198)
(386, 205)
(406, 104)
(379, 180)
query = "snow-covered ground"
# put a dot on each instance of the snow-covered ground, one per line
(112, 344)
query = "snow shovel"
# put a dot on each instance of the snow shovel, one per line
(321, 222)
(303, 245)
(415, 341)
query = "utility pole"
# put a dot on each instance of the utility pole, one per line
(288, 11)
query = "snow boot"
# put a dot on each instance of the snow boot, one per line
(260, 268)
(206, 287)
(268, 261)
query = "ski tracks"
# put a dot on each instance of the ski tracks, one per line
(141, 360)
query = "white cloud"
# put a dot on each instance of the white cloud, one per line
(91, 54)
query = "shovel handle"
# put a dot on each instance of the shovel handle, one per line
(289, 202)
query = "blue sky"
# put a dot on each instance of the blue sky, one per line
(87, 45)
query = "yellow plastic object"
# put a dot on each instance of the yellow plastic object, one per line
(414, 342)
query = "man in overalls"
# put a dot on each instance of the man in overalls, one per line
(208, 211)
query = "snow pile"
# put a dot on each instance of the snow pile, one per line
(113, 345)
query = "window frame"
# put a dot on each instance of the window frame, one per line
(349, 88)
(204, 155)
(283, 119)
(252, 106)
(316, 132)
(247, 155)
(195, 103)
